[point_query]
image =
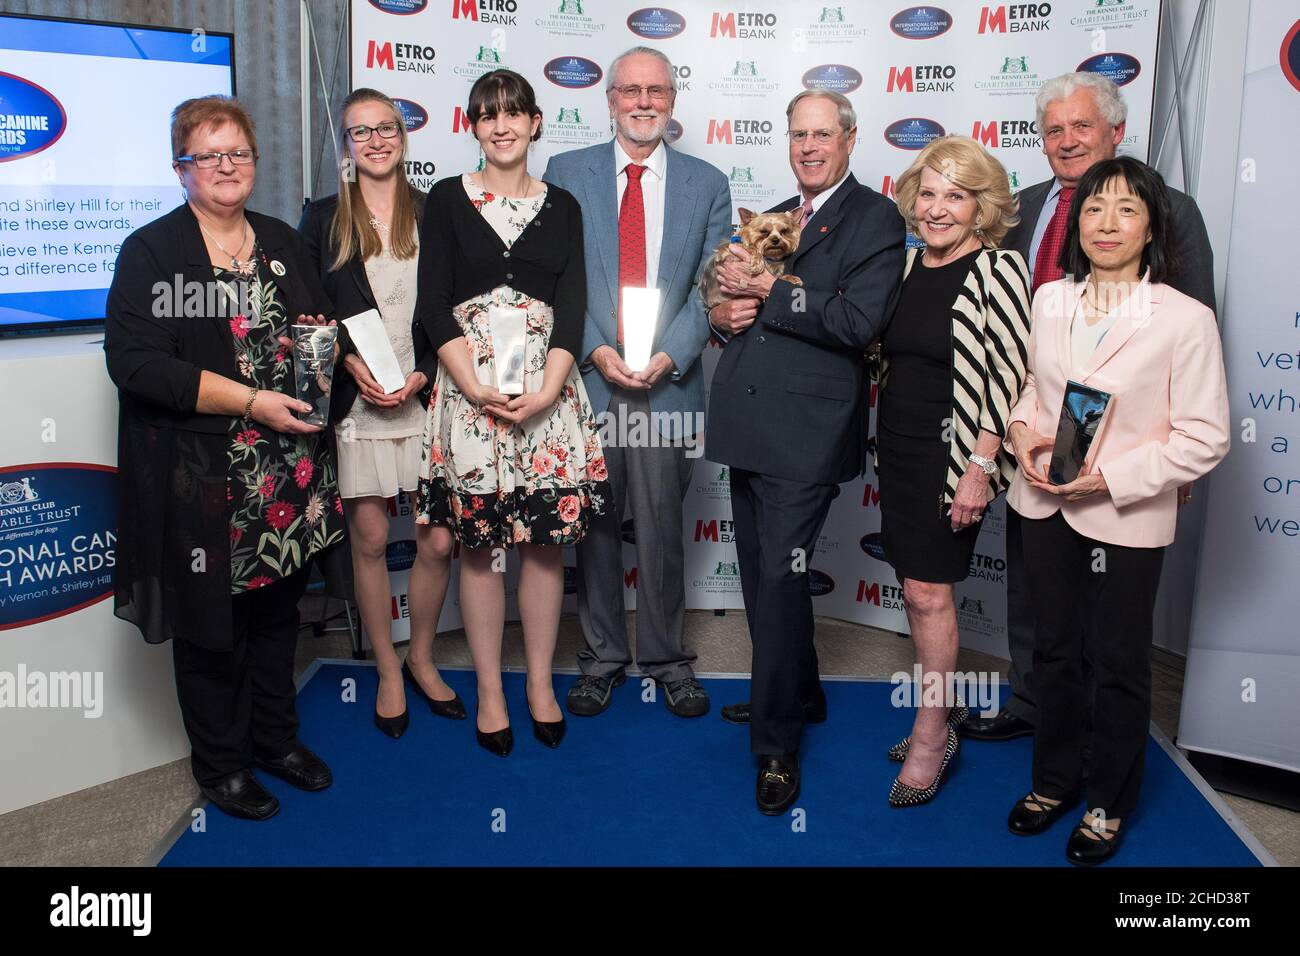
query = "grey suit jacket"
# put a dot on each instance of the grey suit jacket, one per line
(1196, 259)
(697, 219)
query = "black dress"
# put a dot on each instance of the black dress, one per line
(916, 409)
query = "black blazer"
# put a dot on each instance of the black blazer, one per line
(1196, 259)
(350, 291)
(789, 393)
(461, 256)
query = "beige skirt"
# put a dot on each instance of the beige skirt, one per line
(378, 466)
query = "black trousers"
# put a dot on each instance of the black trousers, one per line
(1096, 601)
(776, 522)
(240, 702)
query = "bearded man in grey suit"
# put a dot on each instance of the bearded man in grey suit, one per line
(651, 217)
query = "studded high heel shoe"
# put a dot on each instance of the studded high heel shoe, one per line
(956, 715)
(901, 795)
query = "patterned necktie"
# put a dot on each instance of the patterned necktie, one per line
(1046, 267)
(631, 239)
(807, 212)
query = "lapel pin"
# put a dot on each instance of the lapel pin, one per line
(823, 229)
(277, 267)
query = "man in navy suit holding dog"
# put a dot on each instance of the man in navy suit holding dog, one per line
(788, 415)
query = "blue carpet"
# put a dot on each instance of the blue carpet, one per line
(638, 786)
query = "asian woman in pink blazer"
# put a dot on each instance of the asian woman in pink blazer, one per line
(1094, 547)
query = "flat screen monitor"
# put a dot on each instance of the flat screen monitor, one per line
(85, 154)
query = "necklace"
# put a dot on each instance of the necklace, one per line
(236, 264)
(379, 226)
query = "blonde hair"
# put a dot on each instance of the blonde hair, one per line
(351, 231)
(967, 165)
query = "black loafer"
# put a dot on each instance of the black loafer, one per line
(739, 714)
(1083, 850)
(778, 784)
(453, 709)
(242, 795)
(1024, 821)
(300, 767)
(1003, 725)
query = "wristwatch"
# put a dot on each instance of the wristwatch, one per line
(987, 466)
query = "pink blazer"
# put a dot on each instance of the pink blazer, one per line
(1168, 421)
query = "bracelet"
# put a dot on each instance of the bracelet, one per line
(248, 407)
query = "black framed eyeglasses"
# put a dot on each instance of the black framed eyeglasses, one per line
(359, 134)
(240, 157)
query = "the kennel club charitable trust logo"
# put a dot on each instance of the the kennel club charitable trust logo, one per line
(58, 539)
(1119, 68)
(920, 23)
(832, 25)
(414, 116)
(401, 8)
(1013, 77)
(835, 77)
(486, 58)
(569, 127)
(1111, 14)
(747, 190)
(913, 132)
(743, 78)
(573, 72)
(656, 23)
(568, 18)
(31, 119)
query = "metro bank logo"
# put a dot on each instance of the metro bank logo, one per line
(400, 57)
(502, 12)
(743, 26)
(1015, 18)
(31, 119)
(1007, 134)
(740, 132)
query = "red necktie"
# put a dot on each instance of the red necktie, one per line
(631, 239)
(807, 213)
(1046, 267)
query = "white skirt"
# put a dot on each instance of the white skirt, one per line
(378, 466)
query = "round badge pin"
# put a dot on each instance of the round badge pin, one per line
(277, 267)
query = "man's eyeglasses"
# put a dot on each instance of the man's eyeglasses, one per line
(240, 157)
(820, 136)
(632, 91)
(360, 134)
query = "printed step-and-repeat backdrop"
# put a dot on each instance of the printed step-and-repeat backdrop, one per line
(912, 73)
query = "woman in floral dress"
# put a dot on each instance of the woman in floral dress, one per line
(503, 471)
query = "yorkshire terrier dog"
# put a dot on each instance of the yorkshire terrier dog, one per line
(770, 237)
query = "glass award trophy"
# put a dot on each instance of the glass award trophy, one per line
(313, 369)
(1082, 412)
(508, 327)
(640, 316)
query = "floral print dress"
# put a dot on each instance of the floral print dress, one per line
(495, 482)
(281, 491)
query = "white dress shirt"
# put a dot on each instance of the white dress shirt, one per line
(652, 195)
(820, 199)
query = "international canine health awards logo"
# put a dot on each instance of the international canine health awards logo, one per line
(656, 23)
(569, 18)
(912, 132)
(401, 8)
(1290, 55)
(573, 72)
(920, 23)
(58, 540)
(835, 77)
(414, 116)
(31, 119)
(1119, 68)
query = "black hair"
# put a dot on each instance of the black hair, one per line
(502, 91)
(1160, 254)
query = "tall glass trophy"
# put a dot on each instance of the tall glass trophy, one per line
(313, 369)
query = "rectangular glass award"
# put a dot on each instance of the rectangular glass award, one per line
(313, 369)
(508, 327)
(640, 316)
(376, 349)
(1082, 412)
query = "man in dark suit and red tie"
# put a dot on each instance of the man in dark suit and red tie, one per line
(787, 415)
(1081, 117)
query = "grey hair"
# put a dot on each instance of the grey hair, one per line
(1110, 104)
(651, 51)
(847, 115)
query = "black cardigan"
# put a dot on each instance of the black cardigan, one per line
(349, 290)
(172, 576)
(461, 256)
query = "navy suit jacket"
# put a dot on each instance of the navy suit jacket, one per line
(789, 395)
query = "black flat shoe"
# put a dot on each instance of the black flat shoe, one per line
(548, 733)
(899, 751)
(1082, 850)
(242, 795)
(778, 784)
(393, 726)
(1001, 726)
(1030, 817)
(453, 709)
(300, 767)
(902, 795)
(499, 742)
